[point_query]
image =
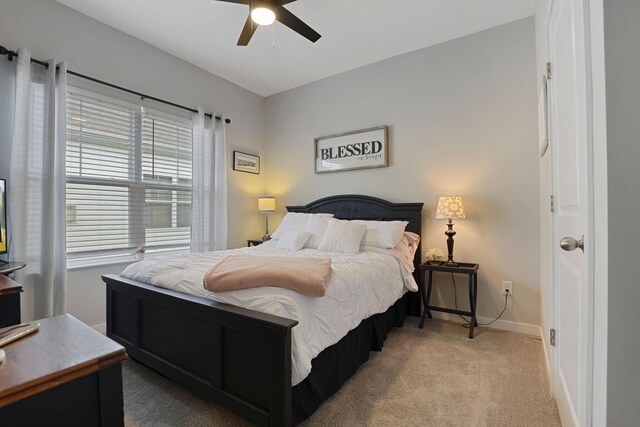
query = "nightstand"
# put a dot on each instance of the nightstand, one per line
(471, 270)
(9, 301)
(254, 242)
(10, 267)
(9, 294)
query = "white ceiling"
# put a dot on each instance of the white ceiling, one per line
(354, 33)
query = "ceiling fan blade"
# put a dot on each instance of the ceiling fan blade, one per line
(237, 1)
(293, 22)
(247, 32)
(281, 2)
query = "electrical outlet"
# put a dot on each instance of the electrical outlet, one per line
(507, 285)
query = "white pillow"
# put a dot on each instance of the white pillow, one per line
(342, 236)
(383, 234)
(316, 226)
(406, 248)
(294, 221)
(293, 240)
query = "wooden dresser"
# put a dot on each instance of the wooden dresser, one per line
(64, 374)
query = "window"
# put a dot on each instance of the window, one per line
(128, 178)
(158, 204)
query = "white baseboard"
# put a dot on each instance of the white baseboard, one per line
(547, 354)
(505, 325)
(101, 327)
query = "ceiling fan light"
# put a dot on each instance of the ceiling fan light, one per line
(263, 16)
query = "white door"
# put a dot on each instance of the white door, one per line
(569, 102)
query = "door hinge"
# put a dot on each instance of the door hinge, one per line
(548, 70)
(552, 337)
(552, 203)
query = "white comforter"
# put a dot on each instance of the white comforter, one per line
(361, 285)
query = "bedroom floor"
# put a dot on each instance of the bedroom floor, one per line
(430, 377)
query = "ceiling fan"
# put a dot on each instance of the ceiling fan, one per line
(265, 12)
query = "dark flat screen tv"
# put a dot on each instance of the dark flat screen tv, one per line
(3, 216)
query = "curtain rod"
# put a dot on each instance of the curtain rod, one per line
(11, 54)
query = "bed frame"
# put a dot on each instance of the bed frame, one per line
(238, 358)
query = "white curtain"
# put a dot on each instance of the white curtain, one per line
(209, 199)
(37, 186)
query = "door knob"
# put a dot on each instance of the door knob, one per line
(570, 244)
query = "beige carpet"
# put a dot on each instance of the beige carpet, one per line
(430, 377)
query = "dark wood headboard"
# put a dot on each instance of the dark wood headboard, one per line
(353, 206)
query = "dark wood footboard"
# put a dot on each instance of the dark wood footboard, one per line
(238, 358)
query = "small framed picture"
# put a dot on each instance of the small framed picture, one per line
(244, 162)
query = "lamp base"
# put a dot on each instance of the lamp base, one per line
(450, 233)
(266, 228)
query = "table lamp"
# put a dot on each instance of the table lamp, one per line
(265, 206)
(450, 207)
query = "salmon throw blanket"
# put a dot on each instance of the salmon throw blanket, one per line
(307, 275)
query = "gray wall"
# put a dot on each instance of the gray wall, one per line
(49, 29)
(7, 95)
(462, 119)
(622, 61)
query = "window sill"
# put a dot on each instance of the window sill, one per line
(121, 259)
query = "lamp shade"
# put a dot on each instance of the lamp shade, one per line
(450, 207)
(266, 204)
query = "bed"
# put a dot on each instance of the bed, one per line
(242, 358)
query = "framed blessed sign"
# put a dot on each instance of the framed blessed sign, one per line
(360, 149)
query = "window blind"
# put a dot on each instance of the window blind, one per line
(128, 178)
